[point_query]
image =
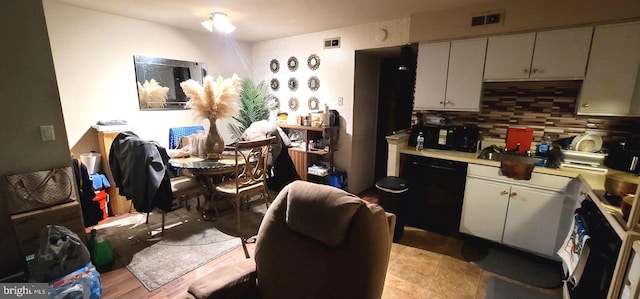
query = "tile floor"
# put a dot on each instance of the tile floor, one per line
(429, 265)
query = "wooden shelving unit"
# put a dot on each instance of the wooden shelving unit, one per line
(303, 157)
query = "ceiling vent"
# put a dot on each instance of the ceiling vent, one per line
(488, 18)
(330, 43)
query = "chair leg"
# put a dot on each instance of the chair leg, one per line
(147, 218)
(238, 200)
(213, 204)
(265, 194)
(186, 202)
(162, 227)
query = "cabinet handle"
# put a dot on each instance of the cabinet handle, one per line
(513, 194)
(442, 102)
(504, 192)
(535, 71)
(525, 71)
(447, 102)
(582, 193)
(586, 105)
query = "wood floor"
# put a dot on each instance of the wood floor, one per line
(422, 265)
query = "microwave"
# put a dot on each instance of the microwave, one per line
(461, 138)
(435, 137)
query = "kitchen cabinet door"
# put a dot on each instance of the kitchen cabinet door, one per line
(561, 53)
(509, 56)
(556, 54)
(449, 75)
(431, 75)
(532, 221)
(464, 79)
(484, 208)
(612, 84)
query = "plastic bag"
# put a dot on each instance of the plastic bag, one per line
(60, 252)
(83, 283)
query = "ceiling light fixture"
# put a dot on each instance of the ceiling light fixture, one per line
(220, 21)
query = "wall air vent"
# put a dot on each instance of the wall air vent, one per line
(330, 43)
(487, 18)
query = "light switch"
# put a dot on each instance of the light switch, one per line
(340, 101)
(47, 133)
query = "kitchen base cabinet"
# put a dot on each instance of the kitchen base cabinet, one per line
(484, 209)
(532, 220)
(512, 212)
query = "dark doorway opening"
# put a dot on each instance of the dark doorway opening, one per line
(395, 97)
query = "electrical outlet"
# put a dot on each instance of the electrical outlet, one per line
(47, 133)
(340, 101)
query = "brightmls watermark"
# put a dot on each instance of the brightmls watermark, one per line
(24, 290)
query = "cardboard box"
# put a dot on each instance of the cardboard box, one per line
(28, 226)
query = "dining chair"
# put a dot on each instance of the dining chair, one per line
(250, 174)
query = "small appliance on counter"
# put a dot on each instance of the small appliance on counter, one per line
(446, 137)
(624, 156)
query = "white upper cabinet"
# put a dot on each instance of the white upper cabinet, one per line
(431, 75)
(509, 56)
(612, 85)
(449, 75)
(556, 54)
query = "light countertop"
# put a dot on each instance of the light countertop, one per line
(593, 179)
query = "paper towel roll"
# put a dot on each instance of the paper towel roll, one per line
(91, 161)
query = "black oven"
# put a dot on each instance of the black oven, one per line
(604, 247)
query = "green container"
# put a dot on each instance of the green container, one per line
(101, 250)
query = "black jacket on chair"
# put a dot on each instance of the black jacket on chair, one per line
(140, 171)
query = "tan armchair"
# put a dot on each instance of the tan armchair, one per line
(315, 241)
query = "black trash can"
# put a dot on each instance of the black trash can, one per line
(391, 193)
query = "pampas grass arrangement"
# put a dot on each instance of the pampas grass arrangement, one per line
(213, 99)
(152, 95)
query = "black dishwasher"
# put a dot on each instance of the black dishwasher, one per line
(436, 191)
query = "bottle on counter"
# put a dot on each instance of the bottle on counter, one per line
(544, 146)
(420, 142)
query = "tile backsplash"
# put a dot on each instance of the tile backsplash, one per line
(546, 106)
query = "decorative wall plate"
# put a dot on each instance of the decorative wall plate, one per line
(314, 83)
(314, 103)
(293, 104)
(275, 84)
(292, 63)
(313, 62)
(275, 103)
(274, 65)
(293, 84)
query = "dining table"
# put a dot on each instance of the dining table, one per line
(209, 172)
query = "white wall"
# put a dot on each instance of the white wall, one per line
(30, 98)
(367, 77)
(336, 74)
(93, 57)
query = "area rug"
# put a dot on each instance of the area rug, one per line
(515, 264)
(187, 243)
(501, 289)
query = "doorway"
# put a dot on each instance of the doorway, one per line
(396, 84)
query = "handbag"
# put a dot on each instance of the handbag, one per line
(40, 189)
